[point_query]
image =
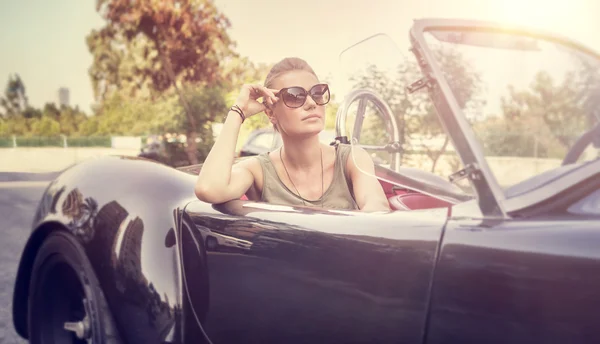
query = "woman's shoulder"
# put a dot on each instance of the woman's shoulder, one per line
(343, 147)
(343, 151)
(251, 162)
(254, 164)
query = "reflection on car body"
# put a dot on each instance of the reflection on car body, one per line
(215, 241)
(131, 253)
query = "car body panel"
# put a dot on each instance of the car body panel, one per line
(121, 210)
(313, 275)
(518, 281)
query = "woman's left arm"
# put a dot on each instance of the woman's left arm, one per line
(368, 192)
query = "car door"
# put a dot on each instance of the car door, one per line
(281, 274)
(525, 269)
(531, 280)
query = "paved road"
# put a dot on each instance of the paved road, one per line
(17, 199)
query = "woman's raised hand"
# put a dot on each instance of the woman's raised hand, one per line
(248, 97)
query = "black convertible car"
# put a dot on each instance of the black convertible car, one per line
(504, 248)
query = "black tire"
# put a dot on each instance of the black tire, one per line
(61, 279)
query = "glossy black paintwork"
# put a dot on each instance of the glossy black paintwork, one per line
(294, 275)
(518, 281)
(283, 274)
(122, 211)
(289, 275)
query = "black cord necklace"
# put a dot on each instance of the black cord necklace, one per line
(304, 200)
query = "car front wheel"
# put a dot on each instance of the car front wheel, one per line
(66, 303)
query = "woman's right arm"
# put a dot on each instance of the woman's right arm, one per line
(219, 181)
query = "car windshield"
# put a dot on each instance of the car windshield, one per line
(528, 99)
(399, 129)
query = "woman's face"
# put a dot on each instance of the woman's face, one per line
(306, 120)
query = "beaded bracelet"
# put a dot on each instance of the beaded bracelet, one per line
(237, 109)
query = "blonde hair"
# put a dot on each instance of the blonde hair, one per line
(288, 64)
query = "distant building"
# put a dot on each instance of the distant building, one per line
(63, 96)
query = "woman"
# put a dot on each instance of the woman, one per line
(303, 171)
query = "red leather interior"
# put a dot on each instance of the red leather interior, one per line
(404, 199)
(414, 200)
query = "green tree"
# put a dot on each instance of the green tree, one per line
(121, 115)
(181, 42)
(44, 126)
(209, 103)
(331, 112)
(18, 114)
(70, 120)
(107, 49)
(17, 125)
(239, 71)
(15, 99)
(3, 127)
(541, 121)
(588, 82)
(392, 89)
(24, 120)
(51, 110)
(417, 119)
(89, 127)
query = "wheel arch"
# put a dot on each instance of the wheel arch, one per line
(23, 279)
(134, 192)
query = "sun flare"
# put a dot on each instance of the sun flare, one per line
(543, 14)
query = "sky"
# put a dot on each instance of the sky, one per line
(44, 41)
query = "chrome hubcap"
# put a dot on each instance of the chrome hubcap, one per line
(82, 328)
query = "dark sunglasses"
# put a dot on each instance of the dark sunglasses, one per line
(295, 97)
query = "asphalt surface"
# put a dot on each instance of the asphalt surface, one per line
(19, 195)
(27, 177)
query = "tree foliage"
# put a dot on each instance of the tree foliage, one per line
(415, 115)
(151, 48)
(148, 42)
(24, 120)
(545, 119)
(15, 99)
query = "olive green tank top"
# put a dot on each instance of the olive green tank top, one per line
(337, 196)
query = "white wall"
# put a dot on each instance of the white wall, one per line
(50, 159)
(508, 170)
(126, 142)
